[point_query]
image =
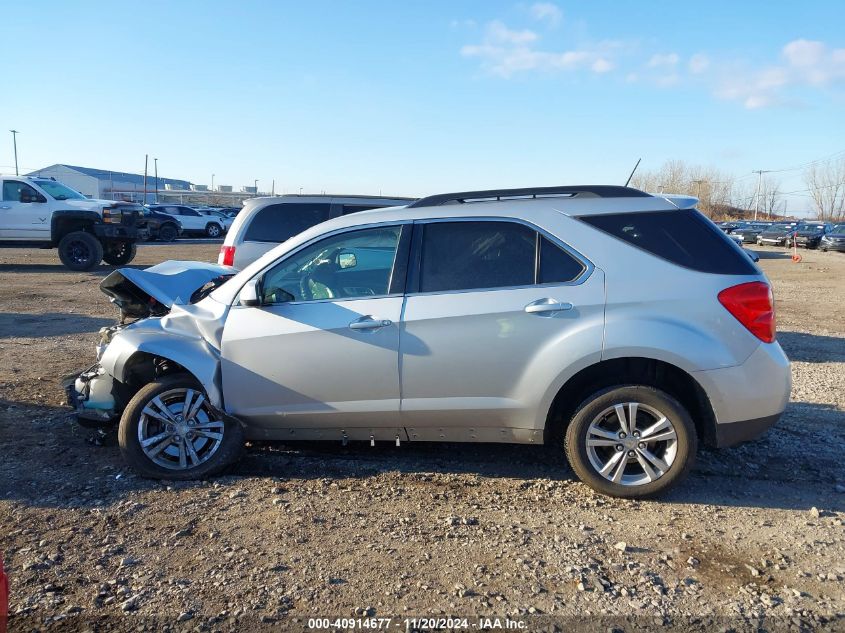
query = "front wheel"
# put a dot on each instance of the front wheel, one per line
(120, 253)
(80, 250)
(169, 430)
(213, 230)
(168, 232)
(631, 441)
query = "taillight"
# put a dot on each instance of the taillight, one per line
(753, 305)
(226, 256)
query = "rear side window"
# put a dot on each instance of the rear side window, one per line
(556, 265)
(280, 222)
(467, 255)
(683, 237)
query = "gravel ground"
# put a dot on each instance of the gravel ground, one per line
(422, 530)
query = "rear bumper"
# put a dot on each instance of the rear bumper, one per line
(747, 399)
(738, 432)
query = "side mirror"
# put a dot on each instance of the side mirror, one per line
(251, 294)
(346, 260)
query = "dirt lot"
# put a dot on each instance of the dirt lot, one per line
(757, 531)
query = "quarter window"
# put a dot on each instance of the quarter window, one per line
(279, 222)
(356, 264)
(556, 265)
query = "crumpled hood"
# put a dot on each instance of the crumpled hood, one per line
(155, 290)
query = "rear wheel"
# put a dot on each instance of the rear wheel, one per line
(80, 250)
(631, 441)
(120, 253)
(167, 232)
(213, 230)
(169, 430)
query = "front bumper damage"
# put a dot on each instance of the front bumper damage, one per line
(92, 394)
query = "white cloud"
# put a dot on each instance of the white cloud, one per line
(805, 64)
(546, 11)
(499, 33)
(506, 52)
(698, 63)
(669, 60)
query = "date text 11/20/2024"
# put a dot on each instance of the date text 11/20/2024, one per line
(422, 623)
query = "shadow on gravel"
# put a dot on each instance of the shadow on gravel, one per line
(771, 254)
(812, 348)
(49, 461)
(100, 271)
(48, 324)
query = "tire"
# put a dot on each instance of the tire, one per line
(823, 249)
(213, 452)
(168, 232)
(212, 229)
(120, 253)
(598, 412)
(80, 251)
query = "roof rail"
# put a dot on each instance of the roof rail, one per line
(586, 191)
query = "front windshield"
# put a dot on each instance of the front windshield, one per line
(58, 191)
(839, 229)
(811, 228)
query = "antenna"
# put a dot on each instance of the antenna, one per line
(627, 182)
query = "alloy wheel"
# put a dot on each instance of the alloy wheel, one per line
(631, 444)
(179, 429)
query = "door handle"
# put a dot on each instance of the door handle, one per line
(545, 306)
(369, 323)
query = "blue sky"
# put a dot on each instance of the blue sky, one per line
(420, 97)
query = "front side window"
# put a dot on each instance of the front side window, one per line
(476, 255)
(58, 191)
(356, 264)
(14, 191)
(277, 223)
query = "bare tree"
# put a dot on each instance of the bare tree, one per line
(826, 182)
(713, 188)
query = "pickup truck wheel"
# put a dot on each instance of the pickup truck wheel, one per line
(631, 441)
(167, 232)
(213, 229)
(80, 250)
(120, 253)
(169, 430)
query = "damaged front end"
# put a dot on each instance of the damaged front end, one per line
(167, 332)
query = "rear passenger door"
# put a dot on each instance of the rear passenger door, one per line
(494, 311)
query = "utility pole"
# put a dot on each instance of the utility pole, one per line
(146, 164)
(759, 173)
(155, 162)
(212, 187)
(273, 188)
(698, 195)
(256, 188)
(15, 143)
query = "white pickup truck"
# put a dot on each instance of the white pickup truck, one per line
(41, 212)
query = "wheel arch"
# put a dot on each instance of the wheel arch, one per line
(63, 222)
(631, 370)
(137, 360)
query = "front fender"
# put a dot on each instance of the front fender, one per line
(191, 352)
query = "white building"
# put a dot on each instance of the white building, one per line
(110, 185)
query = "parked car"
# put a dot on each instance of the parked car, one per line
(809, 234)
(225, 220)
(44, 213)
(776, 235)
(750, 232)
(834, 240)
(193, 222)
(618, 327)
(267, 222)
(162, 226)
(232, 212)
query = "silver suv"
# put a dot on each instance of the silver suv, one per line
(621, 327)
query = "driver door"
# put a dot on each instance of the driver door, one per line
(319, 358)
(21, 220)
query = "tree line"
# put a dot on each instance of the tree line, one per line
(723, 196)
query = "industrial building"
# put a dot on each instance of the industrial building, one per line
(118, 185)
